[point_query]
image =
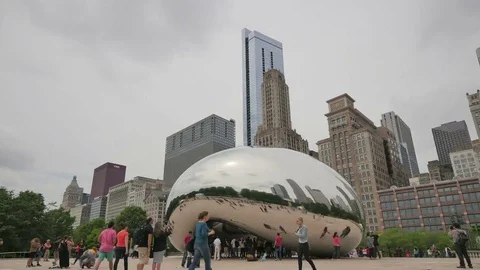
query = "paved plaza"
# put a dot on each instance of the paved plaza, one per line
(233, 264)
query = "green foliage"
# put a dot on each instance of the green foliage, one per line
(265, 197)
(394, 238)
(89, 232)
(132, 216)
(25, 216)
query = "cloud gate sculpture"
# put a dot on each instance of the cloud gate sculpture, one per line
(260, 192)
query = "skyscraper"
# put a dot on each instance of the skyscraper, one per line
(404, 139)
(355, 149)
(189, 145)
(260, 54)
(397, 172)
(276, 128)
(451, 137)
(105, 177)
(478, 55)
(474, 105)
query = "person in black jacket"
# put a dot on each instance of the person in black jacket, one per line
(160, 235)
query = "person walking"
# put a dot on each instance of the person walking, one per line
(143, 238)
(376, 244)
(160, 236)
(372, 253)
(217, 243)
(201, 242)
(303, 247)
(185, 253)
(336, 246)
(107, 239)
(121, 249)
(278, 247)
(460, 239)
(46, 250)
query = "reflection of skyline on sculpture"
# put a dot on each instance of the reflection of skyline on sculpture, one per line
(272, 186)
(280, 190)
(318, 196)
(301, 196)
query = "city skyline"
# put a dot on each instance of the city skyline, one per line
(117, 98)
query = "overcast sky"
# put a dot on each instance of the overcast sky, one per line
(85, 82)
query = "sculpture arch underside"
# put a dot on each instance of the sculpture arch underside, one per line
(240, 217)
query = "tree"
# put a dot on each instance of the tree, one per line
(394, 238)
(132, 216)
(24, 217)
(86, 232)
(58, 223)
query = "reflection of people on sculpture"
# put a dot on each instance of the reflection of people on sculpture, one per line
(303, 247)
(283, 230)
(325, 231)
(345, 232)
(200, 245)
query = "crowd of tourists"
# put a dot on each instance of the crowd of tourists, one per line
(150, 242)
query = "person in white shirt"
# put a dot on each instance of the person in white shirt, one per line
(233, 248)
(217, 244)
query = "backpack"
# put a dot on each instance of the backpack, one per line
(462, 238)
(138, 236)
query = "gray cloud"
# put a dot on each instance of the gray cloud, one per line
(83, 82)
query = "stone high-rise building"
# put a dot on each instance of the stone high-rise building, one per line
(130, 193)
(156, 204)
(474, 105)
(356, 151)
(404, 139)
(451, 137)
(397, 171)
(276, 128)
(72, 196)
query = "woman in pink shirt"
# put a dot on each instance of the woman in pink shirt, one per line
(336, 246)
(107, 239)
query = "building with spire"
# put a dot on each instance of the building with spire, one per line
(72, 196)
(276, 128)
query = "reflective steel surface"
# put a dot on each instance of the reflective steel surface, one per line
(261, 192)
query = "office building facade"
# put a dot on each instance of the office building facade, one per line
(72, 196)
(432, 207)
(451, 137)
(81, 213)
(355, 149)
(420, 179)
(130, 193)
(474, 105)
(465, 164)
(396, 170)
(98, 207)
(276, 128)
(439, 171)
(105, 177)
(404, 139)
(260, 53)
(189, 145)
(156, 204)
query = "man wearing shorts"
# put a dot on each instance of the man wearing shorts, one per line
(107, 239)
(145, 244)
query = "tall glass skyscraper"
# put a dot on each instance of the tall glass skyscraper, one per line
(260, 54)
